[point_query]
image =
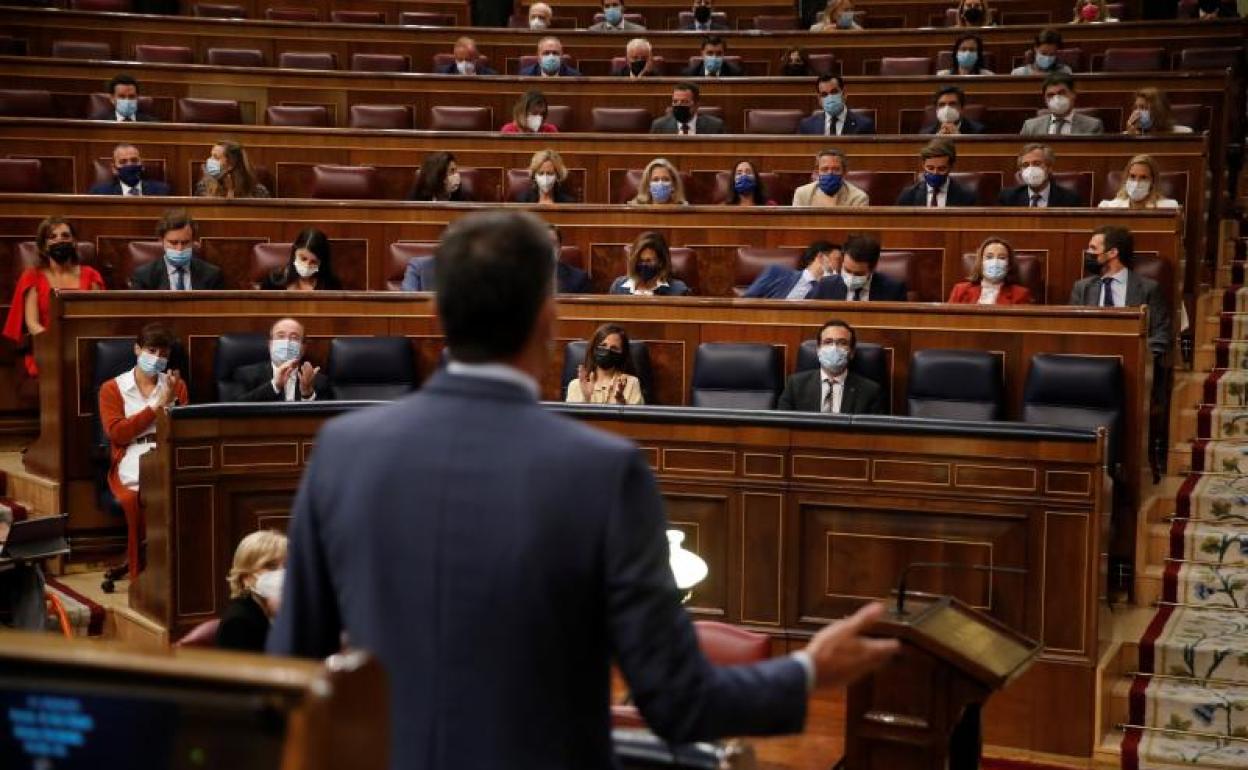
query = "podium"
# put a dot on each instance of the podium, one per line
(922, 710)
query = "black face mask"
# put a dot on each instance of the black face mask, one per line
(1091, 265)
(702, 14)
(60, 253)
(974, 15)
(647, 272)
(683, 113)
(606, 358)
(636, 66)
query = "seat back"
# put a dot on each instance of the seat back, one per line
(401, 253)
(164, 54)
(442, 59)
(24, 103)
(685, 266)
(619, 120)
(194, 110)
(81, 49)
(235, 57)
(153, 168)
(447, 118)
(357, 17)
(214, 11)
(1134, 60)
(21, 175)
(751, 261)
(344, 182)
(307, 60)
(112, 357)
(140, 253)
(624, 186)
(685, 19)
(1076, 391)
(371, 368)
(728, 645)
(974, 112)
(901, 266)
(893, 66)
(303, 115)
(380, 62)
(389, 116)
(28, 255)
(882, 187)
(528, 60)
(776, 23)
(233, 352)
(292, 14)
(202, 635)
(772, 121)
(266, 258)
(574, 355)
(870, 360)
(985, 186)
(426, 19)
(1079, 182)
(737, 375)
(956, 385)
(1210, 58)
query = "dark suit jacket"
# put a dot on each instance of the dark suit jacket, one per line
(623, 72)
(155, 275)
(916, 195)
(883, 289)
(449, 69)
(729, 69)
(1140, 291)
(150, 187)
(703, 124)
(244, 626)
(675, 287)
(530, 195)
(967, 126)
(1021, 196)
(803, 393)
(495, 599)
(776, 282)
(855, 124)
(111, 114)
(716, 26)
(571, 280)
(534, 70)
(257, 382)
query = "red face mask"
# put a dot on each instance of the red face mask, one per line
(1090, 12)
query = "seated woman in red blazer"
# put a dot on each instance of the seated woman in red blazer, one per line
(129, 404)
(994, 281)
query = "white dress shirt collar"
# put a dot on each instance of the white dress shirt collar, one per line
(498, 373)
(125, 188)
(1043, 192)
(631, 285)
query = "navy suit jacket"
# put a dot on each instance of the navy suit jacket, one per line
(855, 123)
(494, 597)
(775, 283)
(956, 195)
(449, 69)
(1021, 196)
(571, 280)
(968, 126)
(883, 289)
(534, 70)
(150, 187)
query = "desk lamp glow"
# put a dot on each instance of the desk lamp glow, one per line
(688, 568)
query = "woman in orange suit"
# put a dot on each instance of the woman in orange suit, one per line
(129, 404)
(994, 281)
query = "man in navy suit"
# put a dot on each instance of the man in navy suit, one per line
(936, 189)
(834, 118)
(465, 63)
(857, 280)
(1038, 190)
(123, 102)
(494, 597)
(950, 102)
(779, 282)
(128, 177)
(550, 61)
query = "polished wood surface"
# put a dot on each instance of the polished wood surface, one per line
(799, 523)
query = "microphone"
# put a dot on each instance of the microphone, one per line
(905, 574)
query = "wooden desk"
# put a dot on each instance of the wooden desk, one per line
(799, 517)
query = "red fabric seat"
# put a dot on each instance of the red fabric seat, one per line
(357, 17)
(696, 61)
(447, 118)
(426, 19)
(685, 19)
(21, 175)
(1110, 117)
(235, 57)
(307, 60)
(223, 111)
(213, 11)
(772, 121)
(984, 185)
(620, 120)
(776, 23)
(894, 66)
(517, 181)
(440, 60)
(21, 103)
(882, 187)
(303, 115)
(1134, 60)
(344, 182)
(1210, 58)
(266, 258)
(900, 266)
(391, 116)
(140, 253)
(380, 62)
(292, 14)
(81, 49)
(1071, 57)
(1194, 116)
(824, 64)
(530, 59)
(624, 185)
(202, 635)
(164, 54)
(28, 255)
(685, 266)
(560, 116)
(1080, 182)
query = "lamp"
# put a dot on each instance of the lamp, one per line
(688, 568)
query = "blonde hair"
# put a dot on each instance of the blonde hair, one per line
(830, 11)
(1154, 191)
(643, 189)
(541, 156)
(261, 550)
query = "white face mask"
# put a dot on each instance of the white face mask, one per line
(534, 123)
(948, 114)
(545, 182)
(1034, 176)
(306, 269)
(537, 22)
(465, 67)
(1138, 189)
(452, 182)
(1059, 104)
(269, 584)
(994, 269)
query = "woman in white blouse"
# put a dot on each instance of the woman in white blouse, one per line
(606, 376)
(1139, 188)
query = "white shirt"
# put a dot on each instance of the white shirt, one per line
(692, 125)
(1065, 129)
(802, 287)
(497, 372)
(631, 285)
(988, 292)
(125, 190)
(1118, 288)
(1043, 192)
(173, 276)
(941, 195)
(864, 293)
(836, 385)
(133, 403)
(120, 119)
(833, 126)
(292, 382)
(1124, 202)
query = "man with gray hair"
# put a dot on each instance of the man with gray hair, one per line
(1038, 190)
(638, 60)
(287, 375)
(830, 190)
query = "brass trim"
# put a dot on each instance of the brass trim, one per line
(177, 457)
(827, 560)
(731, 454)
(745, 465)
(864, 460)
(957, 468)
(253, 464)
(875, 463)
(1049, 490)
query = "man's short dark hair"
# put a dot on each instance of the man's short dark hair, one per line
(814, 250)
(1049, 36)
(840, 82)
(121, 80)
(1118, 238)
(175, 219)
(939, 148)
(836, 322)
(712, 40)
(690, 87)
(863, 248)
(155, 335)
(494, 272)
(1058, 79)
(950, 90)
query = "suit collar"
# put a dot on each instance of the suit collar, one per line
(496, 381)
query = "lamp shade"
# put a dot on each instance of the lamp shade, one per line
(688, 568)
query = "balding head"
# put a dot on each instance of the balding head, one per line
(540, 11)
(549, 45)
(287, 329)
(126, 155)
(637, 47)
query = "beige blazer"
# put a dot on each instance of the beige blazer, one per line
(848, 196)
(603, 390)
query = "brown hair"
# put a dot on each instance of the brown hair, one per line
(155, 335)
(1011, 274)
(601, 334)
(1158, 107)
(526, 104)
(176, 219)
(939, 148)
(44, 234)
(651, 239)
(242, 177)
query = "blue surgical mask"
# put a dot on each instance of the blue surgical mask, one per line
(833, 358)
(661, 192)
(131, 175)
(1045, 61)
(551, 63)
(995, 269)
(150, 363)
(712, 63)
(833, 104)
(178, 257)
(127, 107)
(845, 19)
(830, 183)
(854, 282)
(281, 351)
(935, 181)
(1146, 120)
(967, 59)
(613, 15)
(745, 184)
(212, 167)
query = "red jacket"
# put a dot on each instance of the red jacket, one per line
(967, 293)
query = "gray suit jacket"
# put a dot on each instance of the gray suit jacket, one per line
(1140, 291)
(1080, 124)
(703, 124)
(625, 26)
(493, 596)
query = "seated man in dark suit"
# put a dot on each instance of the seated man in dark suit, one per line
(549, 62)
(937, 190)
(178, 269)
(1038, 190)
(1112, 283)
(128, 176)
(834, 118)
(832, 388)
(568, 279)
(638, 60)
(703, 19)
(713, 65)
(286, 376)
(684, 118)
(950, 101)
(778, 282)
(857, 280)
(123, 97)
(495, 580)
(465, 63)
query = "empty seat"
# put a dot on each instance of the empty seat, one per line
(1210, 58)
(560, 116)
(893, 66)
(266, 258)
(213, 11)
(574, 354)
(21, 175)
(224, 111)
(882, 187)
(1076, 391)
(393, 116)
(685, 266)
(357, 17)
(164, 54)
(140, 253)
(21, 103)
(772, 121)
(344, 182)
(110, 6)
(1134, 60)
(956, 385)
(901, 267)
(403, 252)
(1080, 182)
(301, 115)
(235, 57)
(445, 118)
(292, 14)
(984, 185)
(620, 120)
(776, 23)
(1191, 115)
(824, 64)
(233, 352)
(371, 368)
(870, 360)
(380, 62)
(307, 60)
(737, 375)
(81, 49)
(426, 19)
